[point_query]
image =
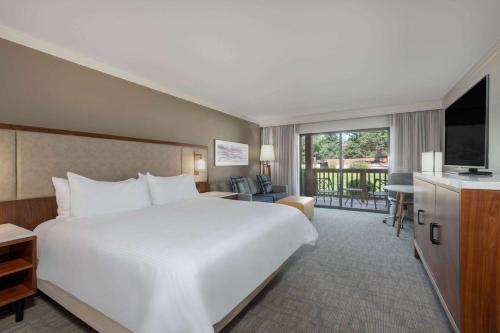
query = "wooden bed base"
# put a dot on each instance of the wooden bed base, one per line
(101, 323)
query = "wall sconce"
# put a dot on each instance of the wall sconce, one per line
(199, 163)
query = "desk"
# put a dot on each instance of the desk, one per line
(401, 190)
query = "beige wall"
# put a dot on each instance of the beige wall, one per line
(38, 89)
(490, 64)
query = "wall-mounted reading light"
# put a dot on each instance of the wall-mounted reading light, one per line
(199, 163)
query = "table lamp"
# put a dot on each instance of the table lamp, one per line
(266, 155)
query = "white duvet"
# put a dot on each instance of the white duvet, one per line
(179, 267)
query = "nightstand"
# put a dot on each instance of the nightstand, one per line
(223, 195)
(17, 266)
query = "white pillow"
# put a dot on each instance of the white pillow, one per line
(170, 189)
(145, 180)
(62, 197)
(91, 197)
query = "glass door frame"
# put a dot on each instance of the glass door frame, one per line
(341, 165)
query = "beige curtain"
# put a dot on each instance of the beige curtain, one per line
(413, 133)
(284, 170)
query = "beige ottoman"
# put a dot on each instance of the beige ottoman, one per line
(304, 204)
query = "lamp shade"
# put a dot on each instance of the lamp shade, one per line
(200, 164)
(267, 153)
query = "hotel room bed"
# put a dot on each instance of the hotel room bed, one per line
(178, 267)
(189, 265)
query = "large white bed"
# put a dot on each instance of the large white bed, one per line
(135, 249)
(178, 267)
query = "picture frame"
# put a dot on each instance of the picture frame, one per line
(228, 153)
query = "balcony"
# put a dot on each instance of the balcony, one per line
(349, 188)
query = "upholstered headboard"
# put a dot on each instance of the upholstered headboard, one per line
(30, 157)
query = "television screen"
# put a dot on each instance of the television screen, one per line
(466, 131)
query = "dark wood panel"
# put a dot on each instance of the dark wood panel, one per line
(95, 135)
(28, 213)
(8, 212)
(480, 261)
(202, 187)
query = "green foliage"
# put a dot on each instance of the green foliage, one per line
(355, 183)
(366, 144)
(326, 146)
(355, 145)
(359, 165)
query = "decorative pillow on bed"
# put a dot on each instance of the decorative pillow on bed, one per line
(63, 199)
(170, 189)
(91, 197)
(264, 183)
(239, 184)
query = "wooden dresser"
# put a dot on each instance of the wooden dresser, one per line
(457, 237)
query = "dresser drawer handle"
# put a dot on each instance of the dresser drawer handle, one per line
(419, 212)
(433, 227)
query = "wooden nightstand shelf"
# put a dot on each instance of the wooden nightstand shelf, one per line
(17, 266)
(223, 195)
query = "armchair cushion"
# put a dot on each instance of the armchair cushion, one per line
(279, 188)
(269, 197)
(262, 198)
(239, 184)
(264, 183)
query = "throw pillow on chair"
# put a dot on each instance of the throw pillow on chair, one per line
(265, 184)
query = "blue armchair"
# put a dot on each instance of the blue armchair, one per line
(250, 191)
(278, 192)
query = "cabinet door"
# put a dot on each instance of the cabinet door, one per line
(480, 261)
(424, 201)
(447, 252)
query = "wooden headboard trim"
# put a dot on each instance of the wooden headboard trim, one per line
(95, 135)
(29, 213)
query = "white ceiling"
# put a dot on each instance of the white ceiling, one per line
(272, 60)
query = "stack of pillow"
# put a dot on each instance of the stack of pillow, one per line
(79, 196)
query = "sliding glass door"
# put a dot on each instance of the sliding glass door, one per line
(320, 168)
(346, 169)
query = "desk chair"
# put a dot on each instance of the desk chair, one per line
(399, 178)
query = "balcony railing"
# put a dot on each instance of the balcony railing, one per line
(364, 179)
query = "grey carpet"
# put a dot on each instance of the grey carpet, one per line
(359, 278)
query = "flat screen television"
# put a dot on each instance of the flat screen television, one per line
(466, 130)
